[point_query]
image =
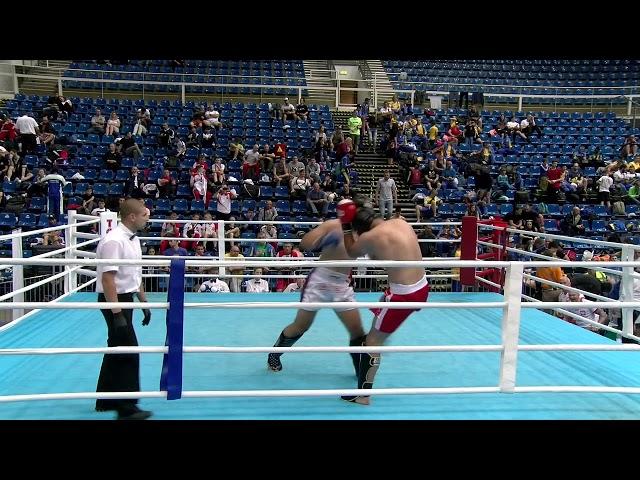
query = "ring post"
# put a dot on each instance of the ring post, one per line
(171, 377)
(71, 279)
(468, 249)
(511, 327)
(17, 272)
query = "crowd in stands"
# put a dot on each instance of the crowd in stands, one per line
(289, 162)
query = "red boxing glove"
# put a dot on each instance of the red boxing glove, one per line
(346, 211)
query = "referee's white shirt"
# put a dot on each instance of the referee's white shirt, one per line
(117, 244)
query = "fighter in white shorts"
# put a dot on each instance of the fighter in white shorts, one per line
(324, 285)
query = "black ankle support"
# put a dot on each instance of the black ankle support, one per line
(355, 357)
(285, 341)
(273, 359)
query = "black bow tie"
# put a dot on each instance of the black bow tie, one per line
(133, 236)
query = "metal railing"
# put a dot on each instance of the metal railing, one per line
(371, 86)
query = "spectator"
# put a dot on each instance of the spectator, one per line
(224, 196)
(47, 132)
(28, 129)
(572, 223)
(112, 159)
(262, 248)
(134, 185)
(386, 195)
(198, 184)
(295, 286)
(257, 284)
(97, 123)
(288, 110)
(630, 147)
(550, 293)
(88, 201)
(175, 249)
(594, 314)
(281, 173)
(302, 111)
(8, 133)
(284, 254)
(429, 207)
(212, 118)
(100, 208)
(127, 146)
(234, 254)
(166, 185)
(165, 136)
(604, 184)
(267, 159)
(236, 148)
(55, 197)
(313, 170)
(354, 123)
(373, 122)
(217, 171)
(213, 284)
(317, 198)
(251, 164)
(299, 186)
(209, 231)
(143, 122)
(113, 125)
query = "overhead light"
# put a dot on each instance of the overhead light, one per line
(344, 72)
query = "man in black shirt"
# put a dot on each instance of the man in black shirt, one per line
(128, 146)
(165, 136)
(302, 111)
(112, 159)
(133, 185)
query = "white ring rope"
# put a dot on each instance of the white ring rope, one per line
(336, 349)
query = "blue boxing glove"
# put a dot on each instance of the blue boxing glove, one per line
(331, 239)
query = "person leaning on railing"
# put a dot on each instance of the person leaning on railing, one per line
(550, 293)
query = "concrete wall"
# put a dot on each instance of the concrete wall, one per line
(6, 82)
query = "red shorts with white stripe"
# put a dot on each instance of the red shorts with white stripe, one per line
(389, 319)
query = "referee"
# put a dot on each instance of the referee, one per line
(119, 283)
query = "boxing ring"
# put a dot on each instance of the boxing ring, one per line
(465, 355)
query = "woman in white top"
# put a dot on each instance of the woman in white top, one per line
(208, 230)
(300, 185)
(592, 313)
(113, 125)
(224, 197)
(257, 284)
(218, 171)
(212, 118)
(295, 286)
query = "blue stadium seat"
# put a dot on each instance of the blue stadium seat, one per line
(100, 189)
(7, 221)
(37, 204)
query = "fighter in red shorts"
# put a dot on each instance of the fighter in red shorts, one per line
(366, 233)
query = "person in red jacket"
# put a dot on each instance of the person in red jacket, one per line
(8, 131)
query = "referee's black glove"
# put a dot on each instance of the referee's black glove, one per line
(147, 317)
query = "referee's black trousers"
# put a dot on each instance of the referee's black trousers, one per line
(119, 372)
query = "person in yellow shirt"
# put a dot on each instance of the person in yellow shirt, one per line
(354, 123)
(433, 134)
(394, 104)
(429, 209)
